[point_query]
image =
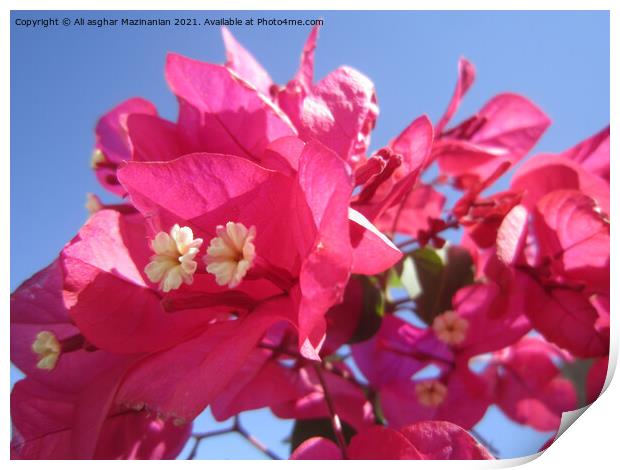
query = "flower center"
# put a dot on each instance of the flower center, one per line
(450, 328)
(173, 262)
(47, 348)
(93, 203)
(96, 159)
(431, 393)
(231, 254)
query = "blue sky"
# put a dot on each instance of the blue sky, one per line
(64, 78)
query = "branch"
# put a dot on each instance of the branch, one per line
(238, 428)
(336, 425)
(198, 437)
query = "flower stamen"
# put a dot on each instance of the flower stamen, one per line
(231, 254)
(47, 348)
(431, 392)
(450, 328)
(173, 262)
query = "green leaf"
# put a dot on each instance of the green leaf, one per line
(577, 372)
(439, 279)
(373, 309)
(306, 428)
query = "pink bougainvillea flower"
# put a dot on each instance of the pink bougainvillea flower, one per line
(349, 401)
(68, 410)
(388, 177)
(339, 111)
(244, 64)
(529, 386)
(401, 350)
(231, 274)
(112, 145)
(592, 154)
(428, 440)
(412, 216)
(546, 173)
(438, 398)
(573, 234)
(301, 258)
(493, 312)
(275, 376)
(566, 317)
(218, 104)
(504, 130)
(48, 424)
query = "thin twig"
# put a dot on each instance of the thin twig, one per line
(238, 427)
(336, 425)
(490, 447)
(198, 438)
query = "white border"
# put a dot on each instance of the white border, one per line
(592, 443)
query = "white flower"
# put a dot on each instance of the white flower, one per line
(173, 262)
(47, 348)
(431, 392)
(231, 254)
(450, 328)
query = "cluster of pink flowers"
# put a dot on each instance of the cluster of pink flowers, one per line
(254, 249)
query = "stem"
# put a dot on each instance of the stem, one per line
(484, 442)
(238, 428)
(198, 437)
(398, 303)
(336, 425)
(405, 243)
(281, 350)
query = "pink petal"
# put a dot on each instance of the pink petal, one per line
(414, 144)
(546, 173)
(254, 388)
(373, 252)
(282, 155)
(220, 112)
(340, 112)
(152, 138)
(239, 60)
(466, 77)
(111, 135)
(379, 443)
(107, 259)
(183, 380)
(396, 352)
(317, 448)
(44, 428)
(326, 184)
(571, 229)
(350, 403)
(531, 389)
(511, 122)
(305, 74)
(504, 130)
(422, 203)
(592, 154)
(37, 305)
(402, 407)
(441, 440)
(565, 317)
(420, 142)
(342, 319)
(512, 234)
(495, 313)
(206, 190)
(138, 436)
